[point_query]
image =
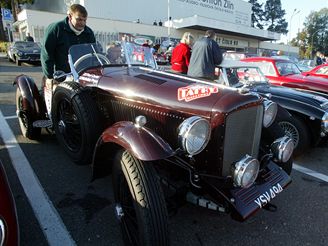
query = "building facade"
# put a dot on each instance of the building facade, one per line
(159, 21)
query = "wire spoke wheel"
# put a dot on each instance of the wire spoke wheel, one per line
(76, 121)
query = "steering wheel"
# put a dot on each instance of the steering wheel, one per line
(86, 56)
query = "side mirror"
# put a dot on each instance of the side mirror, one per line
(59, 76)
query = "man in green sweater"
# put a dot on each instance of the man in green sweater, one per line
(60, 36)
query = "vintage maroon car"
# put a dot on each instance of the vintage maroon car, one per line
(319, 71)
(286, 73)
(167, 139)
(9, 230)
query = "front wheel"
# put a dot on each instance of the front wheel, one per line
(140, 203)
(24, 118)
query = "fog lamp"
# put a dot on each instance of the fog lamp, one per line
(245, 171)
(282, 148)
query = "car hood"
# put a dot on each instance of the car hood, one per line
(315, 99)
(173, 93)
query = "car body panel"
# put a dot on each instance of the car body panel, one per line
(8, 214)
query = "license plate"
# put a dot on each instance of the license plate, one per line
(267, 196)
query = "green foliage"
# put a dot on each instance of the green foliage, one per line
(274, 17)
(3, 46)
(257, 14)
(269, 17)
(314, 36)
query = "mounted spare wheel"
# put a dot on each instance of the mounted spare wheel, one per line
(24, 118)
(140, 204)
(76, 121)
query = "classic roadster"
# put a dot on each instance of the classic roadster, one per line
(165, 138)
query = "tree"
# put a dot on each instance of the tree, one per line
(257, 14)
(316, 26)
(274, 17)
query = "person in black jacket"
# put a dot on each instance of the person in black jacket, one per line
(206, 54)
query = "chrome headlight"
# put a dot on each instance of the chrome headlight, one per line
(19, 53)
(2, 232)
(282, 148)
(245, 171)
(324, 123)
(270, 112)
(194, 134)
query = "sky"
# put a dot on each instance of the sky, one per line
(296, 22)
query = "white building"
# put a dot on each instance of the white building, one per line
(110, 19)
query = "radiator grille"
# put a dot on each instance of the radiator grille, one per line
(242, 136)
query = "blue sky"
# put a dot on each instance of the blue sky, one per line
(305, 7)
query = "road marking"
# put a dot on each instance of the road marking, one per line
(46, 214)
(310, 172)
(10, 117)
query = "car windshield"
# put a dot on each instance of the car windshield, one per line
(287, 68)
(238, 76)
(267, 68)
(83, 56)
(323, 70)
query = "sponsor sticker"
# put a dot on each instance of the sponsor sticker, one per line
(90, 78)
(193, 92)
(266, 197)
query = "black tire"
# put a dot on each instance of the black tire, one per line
(25, 120)
(139, 196)
(76, 121)
(296, 129)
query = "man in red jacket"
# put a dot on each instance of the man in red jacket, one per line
(181, 54)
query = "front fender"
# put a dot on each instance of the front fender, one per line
(32, 101)
(140, 142)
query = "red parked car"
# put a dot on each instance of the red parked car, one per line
(286, 73)
(9, 230)
(319, 71)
